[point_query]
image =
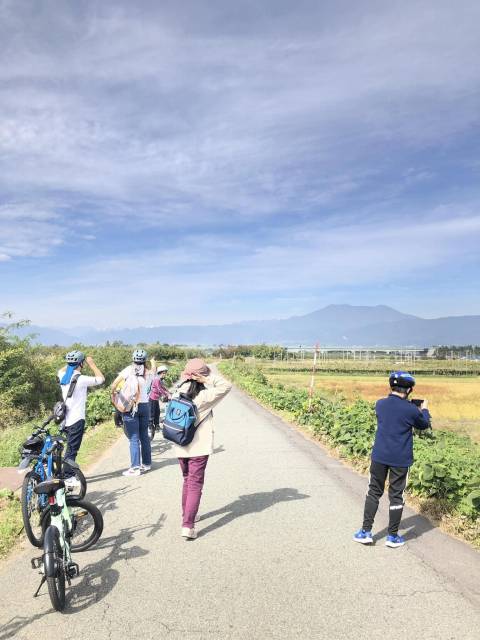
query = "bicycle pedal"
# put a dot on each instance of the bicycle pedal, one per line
(37, 563)
(73, 570)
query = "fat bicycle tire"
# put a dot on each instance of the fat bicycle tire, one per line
(56, 583)
(31, 509)
(80, 510)
(83, 485)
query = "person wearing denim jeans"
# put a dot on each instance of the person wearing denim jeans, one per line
(206, 390)
(136, 425)
(136, 420)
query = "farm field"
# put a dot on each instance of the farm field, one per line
(363, 365)
(454, 401)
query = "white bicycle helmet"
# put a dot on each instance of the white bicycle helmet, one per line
(139, 356)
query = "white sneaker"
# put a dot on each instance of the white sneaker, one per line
(145, 467)
(133, 471)
(189, 534)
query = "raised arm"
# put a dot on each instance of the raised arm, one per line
(116, 381)
(423, 419)
(216, 388)
(153, 367)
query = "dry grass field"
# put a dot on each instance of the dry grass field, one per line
(454, 401)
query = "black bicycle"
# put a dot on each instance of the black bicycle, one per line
(37, 451)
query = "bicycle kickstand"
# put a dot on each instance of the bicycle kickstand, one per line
(42, 581)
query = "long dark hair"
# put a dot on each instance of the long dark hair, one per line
(194, 389)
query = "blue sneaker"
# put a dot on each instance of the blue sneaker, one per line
(364, 537)
(395, 541)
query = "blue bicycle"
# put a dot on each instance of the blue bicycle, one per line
(38, 450)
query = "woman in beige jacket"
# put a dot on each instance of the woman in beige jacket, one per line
(205, 390)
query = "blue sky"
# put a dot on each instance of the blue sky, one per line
(185, 162)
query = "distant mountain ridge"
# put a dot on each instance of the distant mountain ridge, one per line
(334, 325)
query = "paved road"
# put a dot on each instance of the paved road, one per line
(274, 558)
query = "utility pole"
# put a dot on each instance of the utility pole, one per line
(312, 380)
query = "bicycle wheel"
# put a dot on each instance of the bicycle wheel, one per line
(87, 524)
(32, 509)
(79, 491)
(54, 568)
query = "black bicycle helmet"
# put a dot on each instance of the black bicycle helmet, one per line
(75, 357)
(401, 380)
(139, 356)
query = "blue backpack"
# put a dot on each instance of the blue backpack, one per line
(179, 425)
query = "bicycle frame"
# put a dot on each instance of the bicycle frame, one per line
(45, 458)
(61, 518)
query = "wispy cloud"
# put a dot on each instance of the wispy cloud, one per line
(270, 148)
(212, 275)
(27, 230)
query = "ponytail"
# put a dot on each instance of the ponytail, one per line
(194, 389)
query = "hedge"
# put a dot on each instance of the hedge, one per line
(447, 465)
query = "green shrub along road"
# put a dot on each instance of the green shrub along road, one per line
(447, 466)
(99, 409)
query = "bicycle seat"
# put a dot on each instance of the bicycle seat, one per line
(49, 487)
(71, 463)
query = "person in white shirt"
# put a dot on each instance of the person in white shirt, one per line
(72, 376)
(136, 420)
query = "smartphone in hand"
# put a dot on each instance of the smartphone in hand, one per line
(418, 403)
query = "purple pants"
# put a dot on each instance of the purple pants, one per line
(193, 471)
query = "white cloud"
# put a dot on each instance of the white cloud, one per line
(158, 112)
(263, 138)
(201, 281)
(27, 230)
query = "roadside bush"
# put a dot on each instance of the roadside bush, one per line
(447, 466)
(99, 407)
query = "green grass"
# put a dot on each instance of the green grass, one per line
(10, 521)
(95, 442)
(10, 441)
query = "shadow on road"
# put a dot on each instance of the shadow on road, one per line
(96, 579)
(411, 527)
(99, 578)
(160, 445)
(107, 500)
(250, 503)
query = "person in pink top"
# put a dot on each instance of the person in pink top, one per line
(158, 393)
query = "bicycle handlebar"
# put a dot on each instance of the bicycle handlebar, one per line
(57, 444)
(48, 420)
(41, 428)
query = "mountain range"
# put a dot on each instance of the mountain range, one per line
(334, 325)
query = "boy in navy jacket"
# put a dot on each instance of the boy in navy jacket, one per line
(392, 455)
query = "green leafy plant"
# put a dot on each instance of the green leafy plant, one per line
(446, 464)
